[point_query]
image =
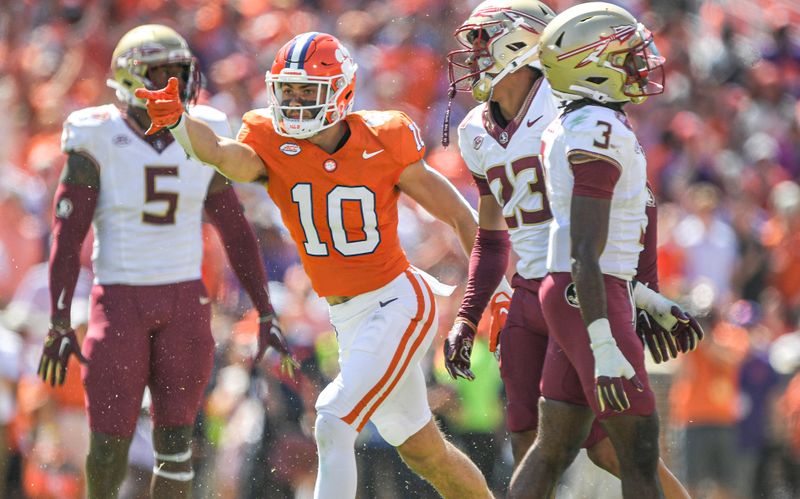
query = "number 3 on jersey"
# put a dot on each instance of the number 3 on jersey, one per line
(301, 196)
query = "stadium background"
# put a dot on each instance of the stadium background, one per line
(723, 145)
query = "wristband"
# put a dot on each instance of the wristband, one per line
(467, 322)
(266, 318)
(178, 130)
(600, 333)
(649, 300)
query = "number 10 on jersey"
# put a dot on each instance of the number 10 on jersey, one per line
(301, 196)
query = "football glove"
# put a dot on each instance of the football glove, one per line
(458, 349)
(660, 343)
(59, 344)
(610, 367)
(271, 335)
(498, 308)
(667, 314)
(164, 106)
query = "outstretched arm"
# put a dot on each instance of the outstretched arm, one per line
(233, 159)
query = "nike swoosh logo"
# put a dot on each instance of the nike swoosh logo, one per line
(60, 304)
(532, 122)
(367, 155)
(204, 300)
(384, 303)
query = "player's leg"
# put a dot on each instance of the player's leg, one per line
(634, 432)
(522, 352)
(604, 456)
(563, 427)
(377, 332)
(445, 467)
(182, 358)
(172, 473)
(118, 350)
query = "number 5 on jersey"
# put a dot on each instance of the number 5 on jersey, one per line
(335, 199)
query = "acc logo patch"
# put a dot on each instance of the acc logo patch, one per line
(571, 295)
(477, 142)
(121, 140)
(290, 149)
(64, 208)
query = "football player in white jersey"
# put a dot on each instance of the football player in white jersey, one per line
(597, 57)
(150, 315)
(500, 38)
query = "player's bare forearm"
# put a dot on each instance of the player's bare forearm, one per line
(441, 199)
(237, 161)
(588, 234)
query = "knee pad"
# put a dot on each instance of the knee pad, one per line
(180, 457)
(331, 433)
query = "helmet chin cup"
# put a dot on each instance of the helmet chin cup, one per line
(482, 89)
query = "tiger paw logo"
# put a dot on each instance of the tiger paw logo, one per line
(571, 295)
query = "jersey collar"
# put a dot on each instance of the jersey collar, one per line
(503, 135)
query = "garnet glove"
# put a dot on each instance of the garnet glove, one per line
(59, 344)
(458, 349)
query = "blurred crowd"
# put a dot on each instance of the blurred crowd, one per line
(723, 148)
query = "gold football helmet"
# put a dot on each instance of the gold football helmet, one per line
(599, 51)
(499, 37)
(145, 47)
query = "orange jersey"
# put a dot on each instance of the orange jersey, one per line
(341, 208)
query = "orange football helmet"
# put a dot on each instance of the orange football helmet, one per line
(311, 85)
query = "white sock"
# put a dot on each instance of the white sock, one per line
(337, 476)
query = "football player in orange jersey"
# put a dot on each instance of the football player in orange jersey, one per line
(336, 176)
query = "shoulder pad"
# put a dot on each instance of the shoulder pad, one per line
(80, 126)
(215, 118)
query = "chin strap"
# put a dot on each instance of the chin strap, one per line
(451, 93)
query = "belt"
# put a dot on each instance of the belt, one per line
(337, 300)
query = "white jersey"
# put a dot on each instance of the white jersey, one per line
(147, 222)
(601, 133)
(508, 158)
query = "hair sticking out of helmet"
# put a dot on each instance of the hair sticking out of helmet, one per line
(311, 85)
(144, 48)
